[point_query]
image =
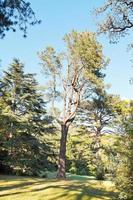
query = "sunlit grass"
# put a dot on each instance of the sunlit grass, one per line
(75, 188)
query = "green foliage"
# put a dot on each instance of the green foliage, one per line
(13, 13)
(87, 53)
(83, 159)
(98, 114)
(124, 173)
(23, 121)
(72, 75)
(74, 72)
(79, 155)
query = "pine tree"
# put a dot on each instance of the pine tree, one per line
(24, 119)
(72, 76)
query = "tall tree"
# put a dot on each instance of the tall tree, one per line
(97, 115)
(13, 13)
(72, 76)
(99, 112)
(24, 119)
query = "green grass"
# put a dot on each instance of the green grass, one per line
(74, 188)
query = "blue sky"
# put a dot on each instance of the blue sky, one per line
(58, 18)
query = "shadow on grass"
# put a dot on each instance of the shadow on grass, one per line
(24, 183)
(76, 188)
(15, 186)
(81, 191)
(10, 194)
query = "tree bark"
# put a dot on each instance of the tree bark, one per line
(62, 154)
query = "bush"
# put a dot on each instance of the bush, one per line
(124, 173)
(73, 170)
(100, 173)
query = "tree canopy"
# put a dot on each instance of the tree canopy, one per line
(118, 20)
(73, 75)
(15, 13)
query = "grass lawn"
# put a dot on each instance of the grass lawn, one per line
(75, 188)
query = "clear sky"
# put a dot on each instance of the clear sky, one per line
(58, 18)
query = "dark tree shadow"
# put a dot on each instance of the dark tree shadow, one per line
(72, 189)
(81, 189)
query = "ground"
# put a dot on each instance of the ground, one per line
(74, 188)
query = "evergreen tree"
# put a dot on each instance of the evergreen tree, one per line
(124, 173)
(24, 119)
(98, 114)
(72, 76)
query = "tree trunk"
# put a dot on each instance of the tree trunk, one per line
(62, 154)
(100, 172)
